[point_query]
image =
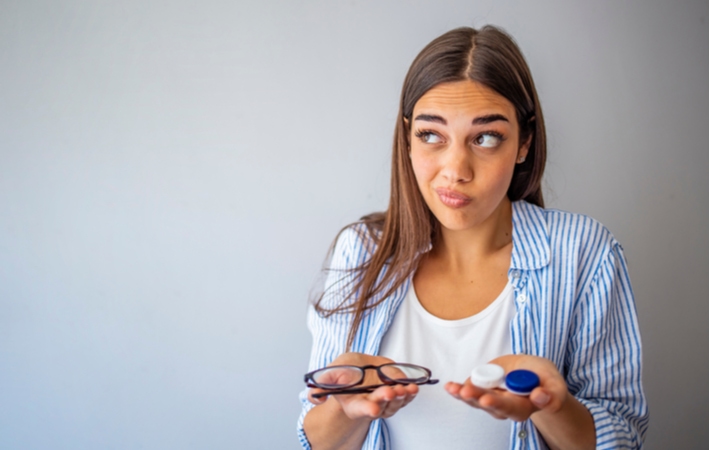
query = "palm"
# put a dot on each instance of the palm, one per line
(381, 403)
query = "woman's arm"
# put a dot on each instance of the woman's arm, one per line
(561, 419)
(328, 427)
(570, 427)
(601, 392)
(604, 356)
(330, 335)
(343, 421)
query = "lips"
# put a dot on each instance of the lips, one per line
(452, 199)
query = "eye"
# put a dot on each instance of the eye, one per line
(428, 137)
(488, 140)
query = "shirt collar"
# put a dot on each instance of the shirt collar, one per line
(531, 239)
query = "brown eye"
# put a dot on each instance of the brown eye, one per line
(428, 137)
(487, 140)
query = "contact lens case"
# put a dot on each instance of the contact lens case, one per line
(519, 382)
(488, 376)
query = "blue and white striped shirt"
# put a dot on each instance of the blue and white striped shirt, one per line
(574, 306)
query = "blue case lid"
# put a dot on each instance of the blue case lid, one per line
(522, 381)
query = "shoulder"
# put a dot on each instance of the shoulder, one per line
(567, 226)
(566, 237)
(560, 227)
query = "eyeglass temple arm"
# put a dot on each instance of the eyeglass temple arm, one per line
(361, 389)
(311, 385)
(358, 390)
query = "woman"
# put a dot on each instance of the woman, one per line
(466, 267)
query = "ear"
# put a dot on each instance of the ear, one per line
(524, 148)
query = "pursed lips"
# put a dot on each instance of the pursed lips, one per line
(453, 199)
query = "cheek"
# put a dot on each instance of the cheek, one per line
(499, 173)
(425, 169)
(498, 177)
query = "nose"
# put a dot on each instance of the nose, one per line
(457, 166)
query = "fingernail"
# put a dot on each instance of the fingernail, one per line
(541, 399)
(400, 397)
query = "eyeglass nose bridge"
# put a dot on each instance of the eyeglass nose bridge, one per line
(380, 375)
(370, 366)
(308, 377)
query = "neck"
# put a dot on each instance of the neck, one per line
(461, 248)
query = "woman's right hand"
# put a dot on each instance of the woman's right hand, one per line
(382, 403)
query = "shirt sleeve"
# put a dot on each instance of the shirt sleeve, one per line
(330, 334)
(604, 362)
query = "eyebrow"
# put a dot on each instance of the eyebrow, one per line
(431, 118)
(489, 118)
(477, 121)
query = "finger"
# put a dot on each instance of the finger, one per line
(473, 403)
(360, 406)
(392, 407)
(410, 392)
(512, 406)
(540, 398)
(472, 392)
(467, 393)
(369, 405)
(385, 397)
(399, 390)
(495, 415)
(404, 396)
(379, 398)
(382, 394)
(314, 400)
(453, 388)
(412, 389)
(492, 400)
(548, 400)
(409, 398)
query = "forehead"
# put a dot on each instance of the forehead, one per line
(467, 98)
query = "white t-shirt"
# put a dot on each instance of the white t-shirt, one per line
(450, 349)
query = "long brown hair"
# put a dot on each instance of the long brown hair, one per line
(406, 229)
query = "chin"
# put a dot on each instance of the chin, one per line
(457, 226)
(464, 218)
(453, 223)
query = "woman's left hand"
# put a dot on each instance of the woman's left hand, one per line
(501, 404)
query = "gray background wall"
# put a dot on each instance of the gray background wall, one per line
(172, 173)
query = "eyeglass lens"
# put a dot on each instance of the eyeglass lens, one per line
(405, 373)
(338, 377)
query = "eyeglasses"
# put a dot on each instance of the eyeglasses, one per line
(348, 379)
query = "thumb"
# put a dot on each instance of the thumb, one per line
(540, 398)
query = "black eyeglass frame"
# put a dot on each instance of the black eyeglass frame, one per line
(350, 389)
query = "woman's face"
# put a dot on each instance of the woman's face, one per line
(464, 146)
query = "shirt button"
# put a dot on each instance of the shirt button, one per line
(522, 298)
(522, 434)
(515, 274)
